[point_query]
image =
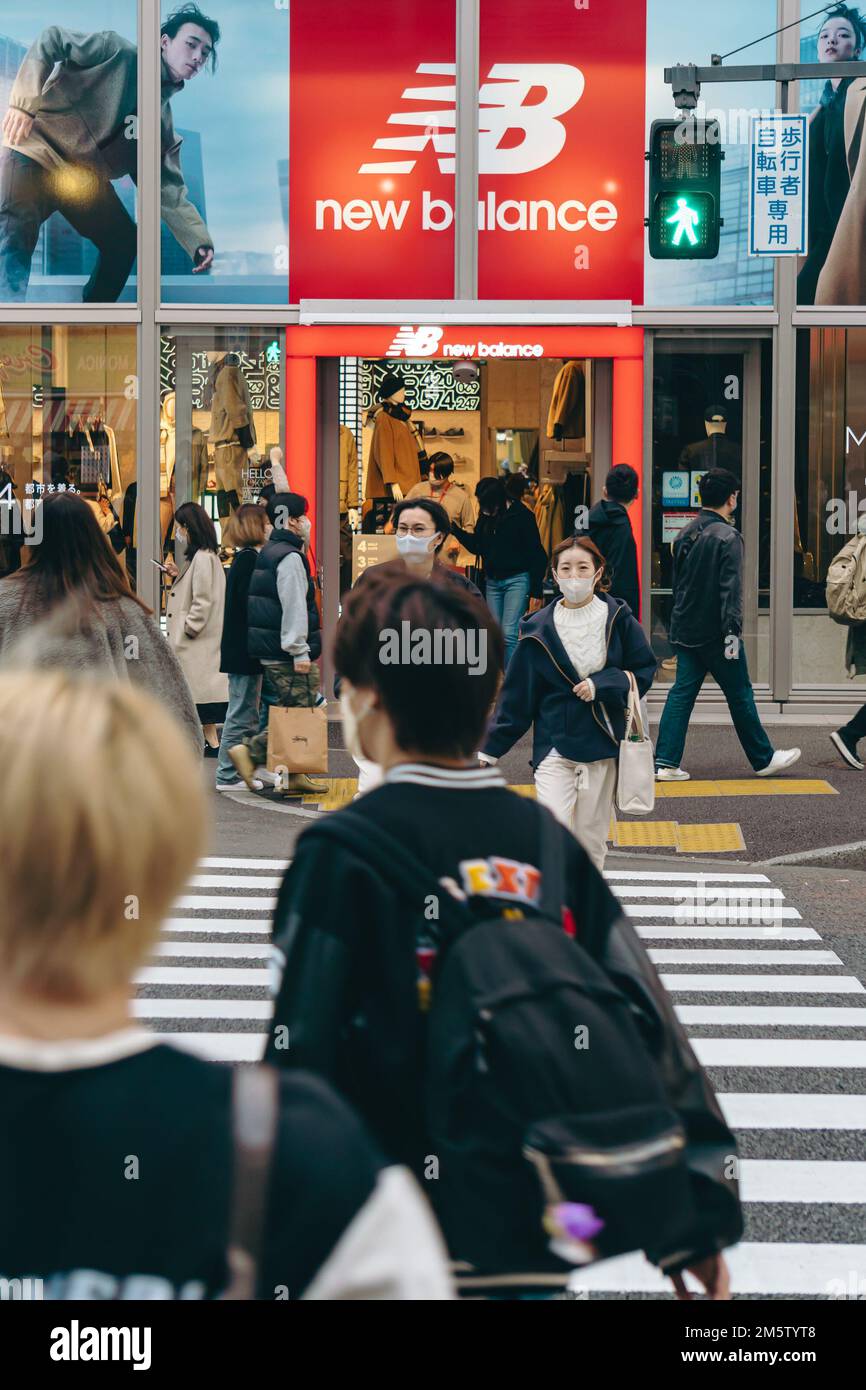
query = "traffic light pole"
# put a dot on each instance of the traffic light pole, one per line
(686, 79)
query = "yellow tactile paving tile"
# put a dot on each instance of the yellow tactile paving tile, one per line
(340, 792)
(770, 786)
(646, 834)
(709, 839)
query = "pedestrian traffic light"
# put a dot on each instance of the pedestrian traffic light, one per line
(685, 159)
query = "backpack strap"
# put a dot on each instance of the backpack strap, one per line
(255, 1112)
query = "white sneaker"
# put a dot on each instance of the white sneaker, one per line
(782, 759)
(672, 774)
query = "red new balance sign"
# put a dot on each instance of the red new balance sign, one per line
(560, 150)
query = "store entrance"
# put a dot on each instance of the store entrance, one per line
(434, 429)
(710, 408)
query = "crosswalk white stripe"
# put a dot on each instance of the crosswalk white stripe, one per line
(195, 903)
(235, 881)
(220, 862)
(219, 1047)
(802, 1180)
(641, 876)
(763, 984)
(786, 1268)
(765, 1015)
(831, 1053)
(202, 975)
(229, 950)
(754, 956)
(688, 893)
(742, 933)
(723, 912)
(218, 924)
(777, 1110)
(203, 1008)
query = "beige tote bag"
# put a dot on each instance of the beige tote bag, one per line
(636, 775)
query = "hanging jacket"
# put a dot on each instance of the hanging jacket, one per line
(609, 528)
(393, 453)
(81, 90)
(538, 690)
(231, 420)
(566, 417)
(549, 514)
(348, 470)
(264, 610)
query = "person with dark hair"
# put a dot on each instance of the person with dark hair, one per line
(284, 636)
(441, 487)
(70, 605)
(356, 952)
(706, 632)
(246, 532)
(608, 525)
(194, 616)
(834, 271)
(54, 163)
(506, 538)
(569, 682)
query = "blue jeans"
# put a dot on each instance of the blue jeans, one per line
(242, 717)
(732, 677)
(507, 600)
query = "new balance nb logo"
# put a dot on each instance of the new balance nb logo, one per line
(415, 342)
(502, 114)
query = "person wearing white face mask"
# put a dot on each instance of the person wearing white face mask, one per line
(567, 679)
(422, 527)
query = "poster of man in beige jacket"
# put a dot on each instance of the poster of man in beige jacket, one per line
(71, 130)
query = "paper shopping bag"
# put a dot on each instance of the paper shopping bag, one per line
(297, 739)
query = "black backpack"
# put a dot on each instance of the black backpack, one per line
(546, 1113)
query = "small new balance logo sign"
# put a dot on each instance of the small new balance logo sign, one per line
(415, 342)
(503, 114)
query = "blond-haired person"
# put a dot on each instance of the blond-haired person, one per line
(117, 1156)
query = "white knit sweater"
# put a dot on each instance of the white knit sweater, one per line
(582, 631)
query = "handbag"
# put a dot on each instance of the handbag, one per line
(635, 778)
(298, 737)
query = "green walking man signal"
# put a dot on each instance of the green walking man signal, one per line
(685, 159)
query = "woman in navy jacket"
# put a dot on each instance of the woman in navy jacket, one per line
(568, 680)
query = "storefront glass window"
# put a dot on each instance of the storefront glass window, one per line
(68, 414)
(830, 491)
(225, 142)
(682, 33)
(220, 421)
(691, 381)
(68, 104)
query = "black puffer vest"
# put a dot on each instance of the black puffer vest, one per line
(264, 610)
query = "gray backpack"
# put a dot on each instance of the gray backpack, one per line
(846, 584)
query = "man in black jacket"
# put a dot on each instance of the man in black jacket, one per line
(707, 633)
(609, 528)
(284, 633)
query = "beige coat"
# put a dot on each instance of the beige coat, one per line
(454, 498)
(81, 90)
(843, 277)
(348, 469)
(196, 604)
(231, 408)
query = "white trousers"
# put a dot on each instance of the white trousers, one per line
(580, 795)
(370, 775)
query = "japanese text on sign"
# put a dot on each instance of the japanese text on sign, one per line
(778, 176)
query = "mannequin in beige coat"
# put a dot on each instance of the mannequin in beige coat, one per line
(196, 604)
